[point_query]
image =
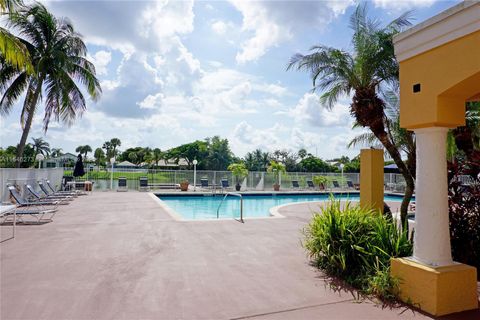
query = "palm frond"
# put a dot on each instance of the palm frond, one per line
(12, 92)
(365, 139)
(392, 103)
(402, 22)
(64, 100)
(330, 70)
(330, 97)
(13, 51)
(7, 6)
(85, 74)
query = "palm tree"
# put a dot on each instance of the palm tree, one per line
(261, 159)
(84, 150)
(59, 64)
(56, 152)
(108, 149)
(302, 153)
(133, 157)
(403, 139)
(115, 142)
(157, 156)
(99, 157)
(371, 67)
(40, 146)
(249, 161)
(12, 50)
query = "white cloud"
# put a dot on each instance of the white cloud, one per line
(221, 27)
(274, 103)
(152, 102)
(208, 6)
(227, 90)
(101, 59)
(163, 19)
(274, 89)
(309, 111)
(132, 132)
(215, 64)
(245, 137)
(270, 23)
(155, 62)
(338, 7)
(402, 4)
(304, 139)
(266, 32)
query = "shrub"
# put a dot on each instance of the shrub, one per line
(320, 180)
(356, 245)
(276, 168)
(238, 170)
(464, 209)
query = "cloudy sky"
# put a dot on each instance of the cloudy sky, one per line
(176, 71)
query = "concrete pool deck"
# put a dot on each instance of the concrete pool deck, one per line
(120, 256)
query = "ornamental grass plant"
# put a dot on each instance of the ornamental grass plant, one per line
(356, 245)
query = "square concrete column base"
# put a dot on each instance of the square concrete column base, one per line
(437, 291)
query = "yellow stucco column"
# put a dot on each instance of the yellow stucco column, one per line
(439, 72)
(371, 179)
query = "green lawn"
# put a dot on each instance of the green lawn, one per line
(158, 177)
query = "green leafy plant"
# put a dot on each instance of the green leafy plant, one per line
(320, 181)
(356, 245)
(239, 171)
(184, 185)
(383, 285)
(276, 168)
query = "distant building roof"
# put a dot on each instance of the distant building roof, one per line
(125, 164)
(172, 163)
(64, 157)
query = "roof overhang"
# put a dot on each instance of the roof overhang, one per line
(447, 26)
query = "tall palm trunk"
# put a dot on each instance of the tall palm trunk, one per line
(30, 105)
(368, 111)
(404, 170)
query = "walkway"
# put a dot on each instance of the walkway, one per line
(119, 256)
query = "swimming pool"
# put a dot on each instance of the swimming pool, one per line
(254, 206)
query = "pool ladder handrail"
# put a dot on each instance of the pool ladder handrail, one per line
(241, 204)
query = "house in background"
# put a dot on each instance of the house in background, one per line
(125, 165)
(66, 160)
(172, 164)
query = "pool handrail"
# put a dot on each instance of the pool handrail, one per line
(241, 204)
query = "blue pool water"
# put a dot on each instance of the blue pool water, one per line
(205, 207)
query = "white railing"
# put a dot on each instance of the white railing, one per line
(241, 204)
(254, 181)
(22, 176)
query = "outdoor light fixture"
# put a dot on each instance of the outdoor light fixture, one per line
(112, 161)
(341, 168)
(195, 174)
(39, 157)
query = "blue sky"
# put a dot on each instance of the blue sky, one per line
(176, 71)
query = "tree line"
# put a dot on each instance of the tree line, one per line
(211, 154)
